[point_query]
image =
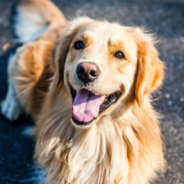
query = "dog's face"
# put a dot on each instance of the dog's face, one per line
(102, 64)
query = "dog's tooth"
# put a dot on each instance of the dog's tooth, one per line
(102, 99)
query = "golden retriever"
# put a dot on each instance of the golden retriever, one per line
(88, 84)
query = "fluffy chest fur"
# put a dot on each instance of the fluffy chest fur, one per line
(126, 150)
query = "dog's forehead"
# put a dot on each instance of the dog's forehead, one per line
(101, 28)
(105, 32)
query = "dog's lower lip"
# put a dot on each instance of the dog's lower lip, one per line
(81, 123)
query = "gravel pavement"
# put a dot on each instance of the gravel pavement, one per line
(163, 17)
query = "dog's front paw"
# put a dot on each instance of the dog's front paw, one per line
(11, 107)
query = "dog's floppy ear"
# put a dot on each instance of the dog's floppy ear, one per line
(59, 56)
(150, 69)
(63, 45)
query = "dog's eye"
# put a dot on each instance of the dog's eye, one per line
(79, 45)
(119, 55)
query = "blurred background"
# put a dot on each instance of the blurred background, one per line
(163, 17)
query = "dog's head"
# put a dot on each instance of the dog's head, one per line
(102, 64)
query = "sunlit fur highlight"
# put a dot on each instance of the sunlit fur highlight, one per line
(123, 147)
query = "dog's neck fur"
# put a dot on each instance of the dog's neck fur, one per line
(109, 152)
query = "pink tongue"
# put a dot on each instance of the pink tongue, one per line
(86, 106)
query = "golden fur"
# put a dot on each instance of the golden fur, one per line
(123, 145)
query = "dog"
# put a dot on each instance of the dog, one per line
(88, 86)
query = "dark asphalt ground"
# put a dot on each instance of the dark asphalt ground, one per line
(163, 17)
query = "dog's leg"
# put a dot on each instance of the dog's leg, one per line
(11, 107)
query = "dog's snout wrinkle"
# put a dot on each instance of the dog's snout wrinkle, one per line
(87, 72)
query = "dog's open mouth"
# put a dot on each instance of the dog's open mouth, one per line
(87, 106)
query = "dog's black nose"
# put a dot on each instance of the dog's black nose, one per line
(87, 72)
